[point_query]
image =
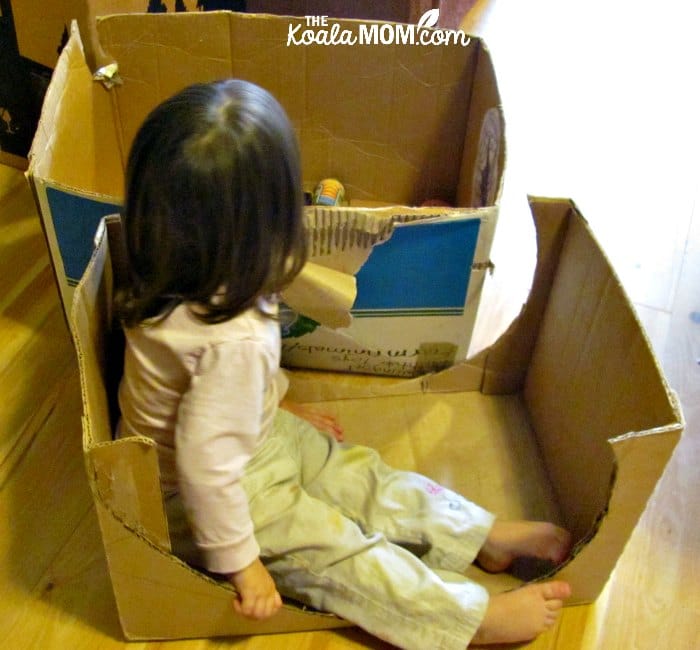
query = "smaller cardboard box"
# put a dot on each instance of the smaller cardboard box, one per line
(418, 274)
(567, 417)
(398, 121)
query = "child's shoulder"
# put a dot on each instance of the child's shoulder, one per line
(182, 328)
(250, 324)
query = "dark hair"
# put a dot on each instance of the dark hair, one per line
(213, 210)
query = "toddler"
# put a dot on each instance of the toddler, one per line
(258, 489)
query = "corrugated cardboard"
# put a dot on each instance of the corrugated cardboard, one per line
(566, 417)
(398, 124)
(40, 34)
(31, 40)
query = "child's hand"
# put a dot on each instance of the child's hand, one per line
(322, 421)
(257, 597)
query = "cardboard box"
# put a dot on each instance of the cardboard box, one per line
(566, 417)
(31, 41)
(397, 123)
(419, 274)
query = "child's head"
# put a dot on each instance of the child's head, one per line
(213, 208)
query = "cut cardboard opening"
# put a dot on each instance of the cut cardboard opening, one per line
(566, 417)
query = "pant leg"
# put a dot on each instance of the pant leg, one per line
(442, 527)
(324, 559)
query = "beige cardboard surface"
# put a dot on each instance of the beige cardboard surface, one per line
(123, 477)
(584, 386)
(408, 146)
(526, 454)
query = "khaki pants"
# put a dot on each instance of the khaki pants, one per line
(342, 532)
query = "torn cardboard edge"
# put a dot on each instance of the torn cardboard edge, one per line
(607, 452)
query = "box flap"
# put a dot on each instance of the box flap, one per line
(75, 144)
(125, 477)
(124, 474)
(90, 324)
(593, 375)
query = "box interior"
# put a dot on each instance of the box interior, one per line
(422, 107)
(566, 417)
(524, 428)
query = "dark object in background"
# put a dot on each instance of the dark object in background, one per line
(23, 84)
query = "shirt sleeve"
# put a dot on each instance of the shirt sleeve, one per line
(282, 382)
(217, 431)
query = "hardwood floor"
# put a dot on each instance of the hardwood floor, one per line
(601, 104)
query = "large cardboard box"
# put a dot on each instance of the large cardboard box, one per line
(398, 123)
(566, 417)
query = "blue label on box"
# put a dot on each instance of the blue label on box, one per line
(422, 270)
(75, 220)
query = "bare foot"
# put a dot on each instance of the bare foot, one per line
(522, 614)
(509, 540)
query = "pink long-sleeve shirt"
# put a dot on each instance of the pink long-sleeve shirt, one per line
(207, 395)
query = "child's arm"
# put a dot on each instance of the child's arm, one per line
(216, 433)
(258, 597)
(324, 422)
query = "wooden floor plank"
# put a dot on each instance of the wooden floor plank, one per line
(42, 499)
(40, 363)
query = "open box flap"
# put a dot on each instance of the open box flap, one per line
(593, 376)
(124, 473)
(126, 479)
(76, 117)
